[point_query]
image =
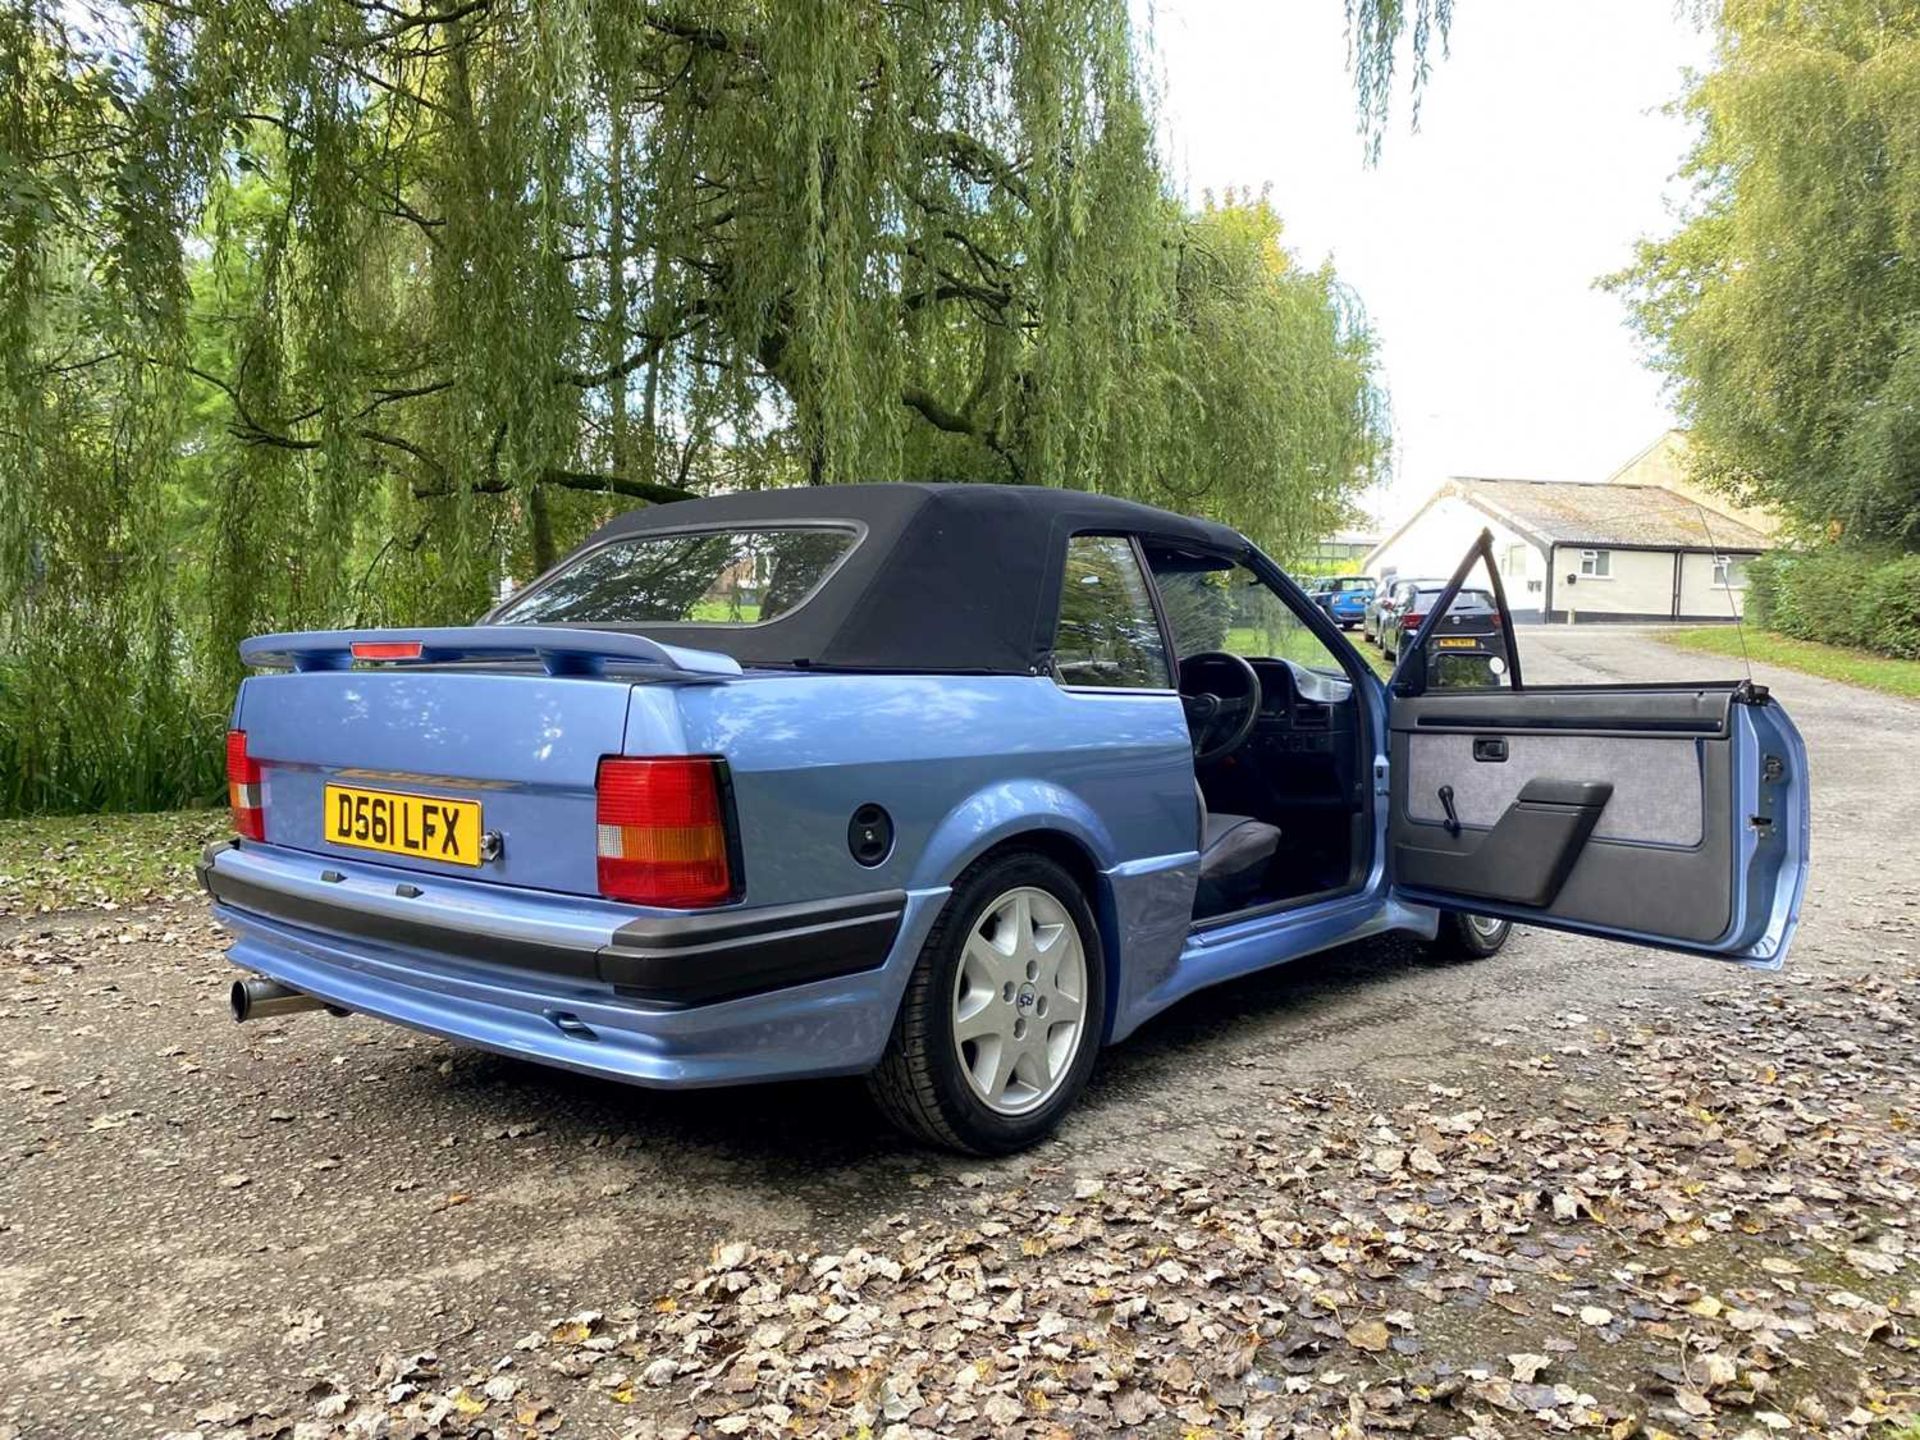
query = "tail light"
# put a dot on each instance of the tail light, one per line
(663, 832)
(243, 789)
(1411, 620)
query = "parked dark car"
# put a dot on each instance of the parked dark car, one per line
(1388, 596)
(1471, 625)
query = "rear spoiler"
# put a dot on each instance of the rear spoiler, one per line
(559, 649)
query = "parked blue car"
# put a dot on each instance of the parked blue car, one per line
(1345, 598)
(948, 786)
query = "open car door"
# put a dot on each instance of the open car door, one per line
(1668, 815)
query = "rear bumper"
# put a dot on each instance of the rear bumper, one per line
(655, 998)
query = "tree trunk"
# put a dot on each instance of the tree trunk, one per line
(617, 300)
(543, 551)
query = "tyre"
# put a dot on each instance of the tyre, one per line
(1001, 1021)
(1468, 937)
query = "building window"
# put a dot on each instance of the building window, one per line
(1596, 564)
(1730, 572)
(1108, 635)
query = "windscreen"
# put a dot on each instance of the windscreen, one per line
(706, 577)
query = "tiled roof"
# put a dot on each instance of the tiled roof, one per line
(1565, 512)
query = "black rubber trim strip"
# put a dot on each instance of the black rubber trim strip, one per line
(1482, 721)
(676, 960)
(698, 959)
(203, 867)
(334, 918)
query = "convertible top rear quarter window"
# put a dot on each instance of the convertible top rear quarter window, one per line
(1108, 636)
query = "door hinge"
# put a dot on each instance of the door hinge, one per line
(1379, 777)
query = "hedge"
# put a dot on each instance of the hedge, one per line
(1840, 596)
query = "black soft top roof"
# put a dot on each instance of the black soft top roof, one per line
(962, 578)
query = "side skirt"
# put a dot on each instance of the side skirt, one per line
(1217, 955)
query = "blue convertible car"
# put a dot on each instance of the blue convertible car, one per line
(944, 785)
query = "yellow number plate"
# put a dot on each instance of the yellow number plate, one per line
(1458, 642)
(422, 826)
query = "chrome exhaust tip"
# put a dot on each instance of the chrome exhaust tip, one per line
(259, 998)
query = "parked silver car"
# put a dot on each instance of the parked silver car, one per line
(1388, 597)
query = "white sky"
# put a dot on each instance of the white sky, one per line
(1541, 156)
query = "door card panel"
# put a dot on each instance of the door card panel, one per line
(1657, 796)
(1656, 889)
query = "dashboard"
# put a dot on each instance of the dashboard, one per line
(1304, 706)
(1304, 747)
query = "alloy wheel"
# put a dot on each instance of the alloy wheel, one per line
(1019, 1001)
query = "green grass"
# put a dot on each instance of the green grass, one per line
(719, 612)
(64, 862)
(1372, 654)
(1303, 647)
(1829, 662)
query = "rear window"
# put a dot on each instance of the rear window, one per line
(704, 577)
(1465, 600)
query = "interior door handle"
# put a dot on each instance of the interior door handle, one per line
(1490, 748)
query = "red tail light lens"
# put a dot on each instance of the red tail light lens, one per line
(244, 795)
(1411, 620)
(663, 832)
(386, 649)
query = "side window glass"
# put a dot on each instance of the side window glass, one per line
(1469, 646)
(1107, 633)
(1213, 605)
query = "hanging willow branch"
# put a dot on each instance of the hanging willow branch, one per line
(322, 311)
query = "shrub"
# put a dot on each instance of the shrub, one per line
(1841, 596)
(73, 741)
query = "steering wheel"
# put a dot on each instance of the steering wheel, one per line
(1219, 723)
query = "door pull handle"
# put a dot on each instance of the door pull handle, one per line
(1446, 804)
(1492, 748)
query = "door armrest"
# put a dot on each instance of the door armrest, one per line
(1582, 793)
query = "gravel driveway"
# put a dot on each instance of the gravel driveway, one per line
(1362, 1191)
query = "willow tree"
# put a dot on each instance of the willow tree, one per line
(353, 310)
(1786, 308)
